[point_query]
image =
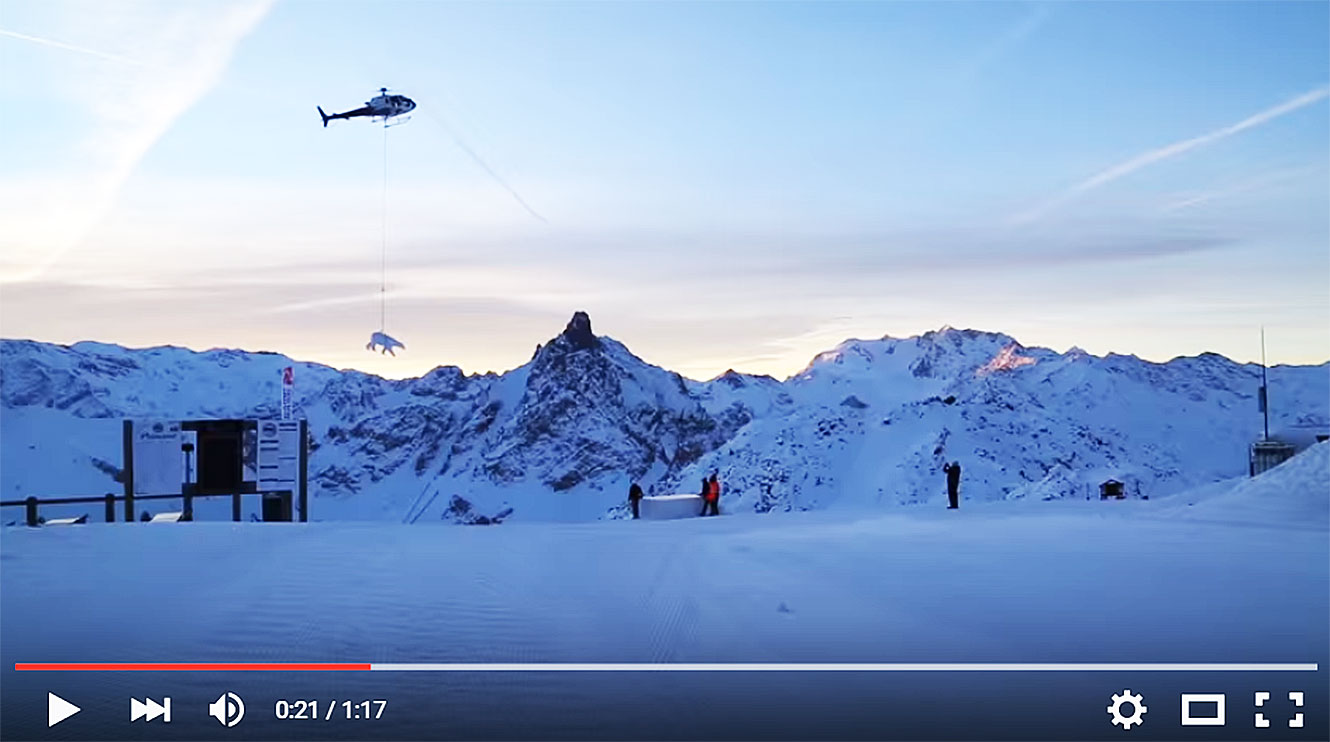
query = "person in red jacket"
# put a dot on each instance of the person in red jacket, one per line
(711, 500)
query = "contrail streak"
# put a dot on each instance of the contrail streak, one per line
(1173, 150)
(68, 47)
(1252, 184)
(485, 166)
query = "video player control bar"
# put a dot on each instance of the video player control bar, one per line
(676, 666)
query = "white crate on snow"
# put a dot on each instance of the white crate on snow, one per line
(669, 507)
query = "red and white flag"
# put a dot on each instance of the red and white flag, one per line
(288, 392)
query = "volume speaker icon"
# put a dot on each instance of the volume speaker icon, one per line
(228, 709)
(148, 709)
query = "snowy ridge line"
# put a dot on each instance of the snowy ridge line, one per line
(843, 667)
(868, 424)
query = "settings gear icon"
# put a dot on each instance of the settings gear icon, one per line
(1138, 704)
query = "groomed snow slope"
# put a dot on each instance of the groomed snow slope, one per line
(1295, 492)
(1070, 581)
(991, 581)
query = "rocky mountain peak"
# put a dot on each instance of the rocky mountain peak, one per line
(576, 350)
(578, 333)
(959, 338)
(731, 378)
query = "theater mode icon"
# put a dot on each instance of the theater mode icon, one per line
(148, 709)
(1195, 719)
(227, 709)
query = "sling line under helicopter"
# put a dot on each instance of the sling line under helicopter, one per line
(381, 338)
(388, 109)
(384, 107)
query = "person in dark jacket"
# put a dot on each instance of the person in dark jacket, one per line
(706, 490)
(634, 497)
(953, 471)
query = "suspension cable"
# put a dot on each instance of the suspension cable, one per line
(383, 281)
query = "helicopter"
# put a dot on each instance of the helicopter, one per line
(382, 106)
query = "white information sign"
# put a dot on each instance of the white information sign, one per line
(159, 463)
(279, 455)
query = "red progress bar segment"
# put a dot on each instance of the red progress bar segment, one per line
(190, 666)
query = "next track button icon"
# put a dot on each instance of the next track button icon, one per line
(149, 709)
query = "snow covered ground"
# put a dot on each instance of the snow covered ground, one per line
(1227, 574)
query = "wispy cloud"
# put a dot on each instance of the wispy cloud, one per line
(1002, 45)
(1256, 183)
(1154, 156)
(176, 53)
(928, 256)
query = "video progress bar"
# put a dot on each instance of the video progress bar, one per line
(667, 667)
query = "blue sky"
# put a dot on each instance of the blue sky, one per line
(719, 185)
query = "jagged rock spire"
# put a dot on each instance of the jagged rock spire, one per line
(578, 332)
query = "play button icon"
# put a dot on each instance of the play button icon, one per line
(58, 709)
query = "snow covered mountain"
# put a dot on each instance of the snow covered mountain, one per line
(866, 424)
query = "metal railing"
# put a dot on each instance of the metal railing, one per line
(33, 503)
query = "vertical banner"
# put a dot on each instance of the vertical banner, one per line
(288, 391)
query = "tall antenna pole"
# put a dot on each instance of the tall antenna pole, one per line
(383, 281)
(1265, 388)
